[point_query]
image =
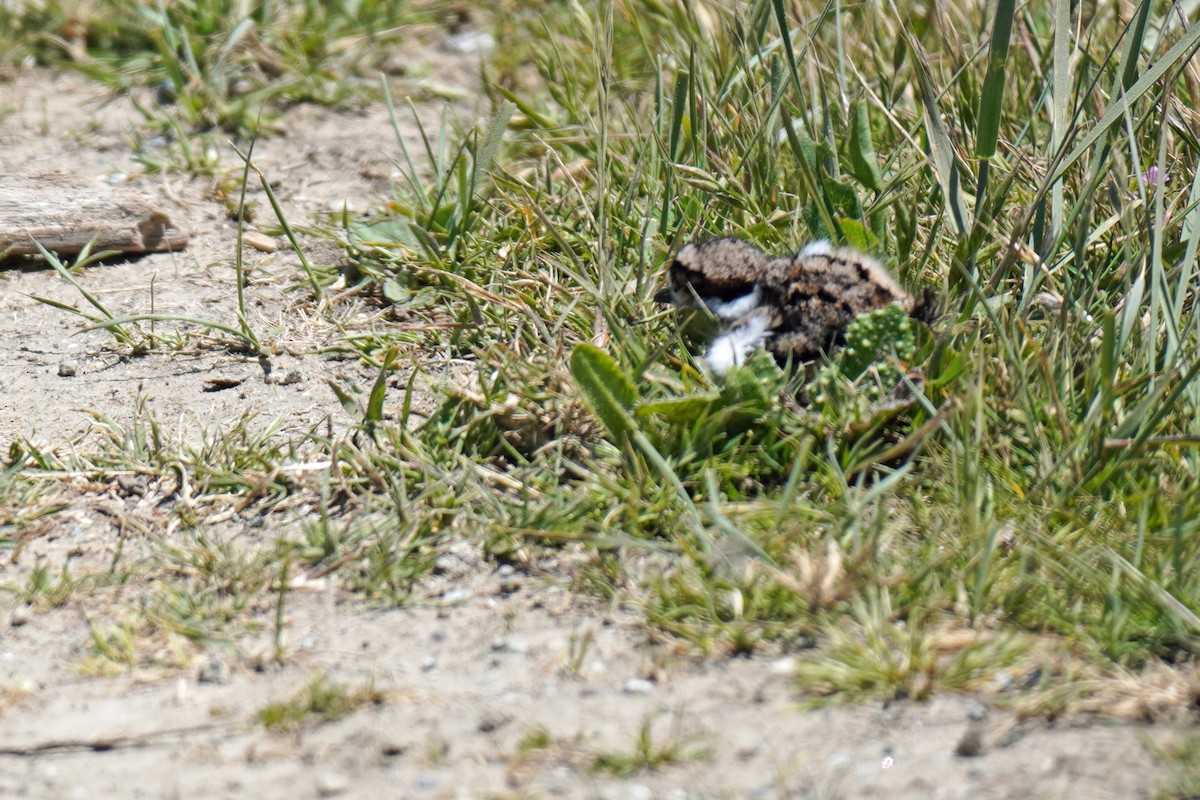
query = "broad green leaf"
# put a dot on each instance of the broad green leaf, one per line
(678, 409)
(842, 197)
(491, 142)
(856, 234)
(862, 152)
(803, 147)
(393, 292)
(606, 389)
(348, 401)
(385, 233)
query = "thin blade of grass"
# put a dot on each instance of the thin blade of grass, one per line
(1133, 46)
(239, 259)
(1191, 229)
(944, 161)
(411, 173)
(1060, 100)
(991, 100)
(66, 275)
(1179, 53)
(116, 322)
(789, 53)
(313, 282)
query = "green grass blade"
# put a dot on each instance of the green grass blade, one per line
(115, 324)
(991, 100)
(67, 307)
(1179, 53)
(1060, 104)
(374, 413)
(789, 53)
(313, 282)
(66, 275)
(678, 105)
(944, 160)
(239, 260)
(1133, 46)
(1187, 267)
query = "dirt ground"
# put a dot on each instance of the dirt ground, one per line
(483, 690)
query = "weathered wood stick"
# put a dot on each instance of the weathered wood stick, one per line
(65, 214)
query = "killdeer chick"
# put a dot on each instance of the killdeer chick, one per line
(797, 306)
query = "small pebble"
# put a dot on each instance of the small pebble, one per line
(19, 616)
(638, 791)
(332, 784)
(213, 670)
(747, 753)
(971, 743)
(493, 721)
(1002, 681)
(67, 369)
(164, 93)
(240, 87)
(782, 666)
(449, 564)
(428, 664)
(639, 686)
(977, 712)
(394, 64)
(468, 42)
(457, 595)
(1011, 736)
(131, 485)
(259, 241)
(221, 384)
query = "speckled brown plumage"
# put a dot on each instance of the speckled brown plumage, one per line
(818, 294)
(801, 303)
(722, 268)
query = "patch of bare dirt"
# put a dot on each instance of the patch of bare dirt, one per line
(491, 682)
(326, 161)
(489, 694)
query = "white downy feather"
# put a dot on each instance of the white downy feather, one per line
(733, 348)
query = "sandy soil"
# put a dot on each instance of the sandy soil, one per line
(486, 688)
